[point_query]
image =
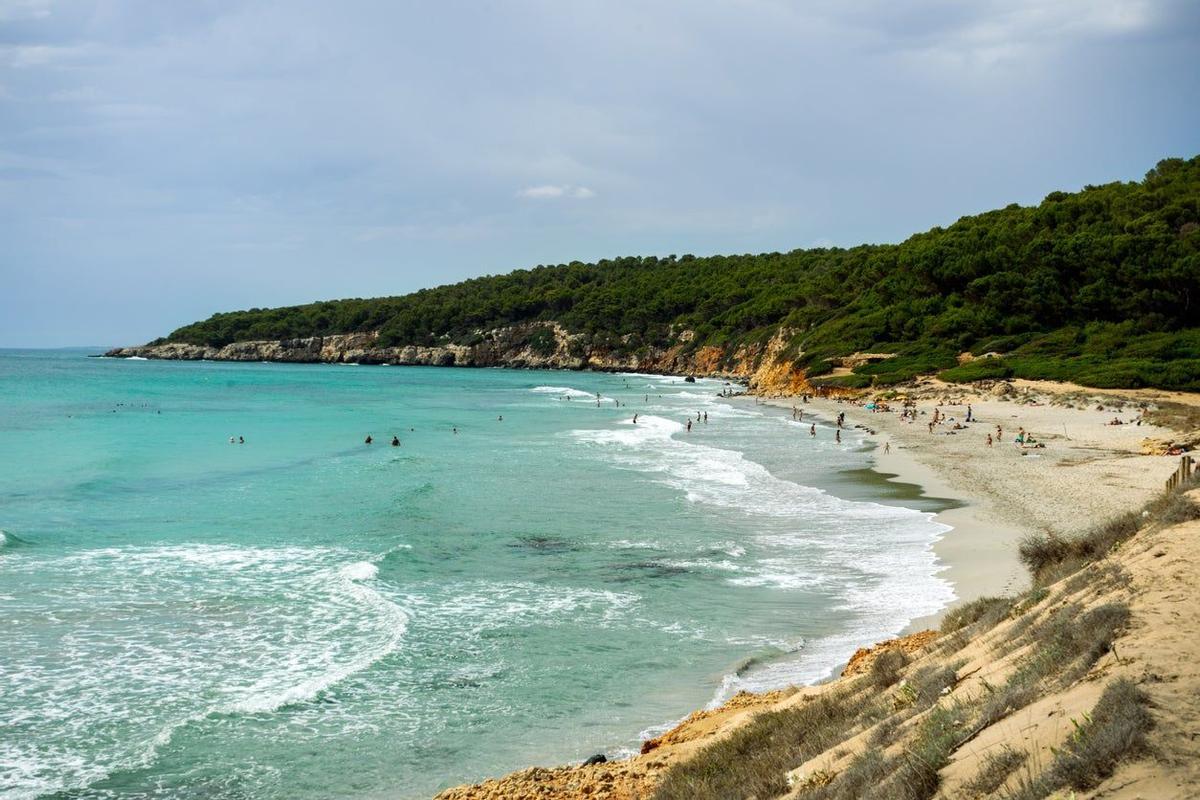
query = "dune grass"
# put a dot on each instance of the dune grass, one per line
(1114, 731)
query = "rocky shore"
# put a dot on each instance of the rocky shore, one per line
(513, 347)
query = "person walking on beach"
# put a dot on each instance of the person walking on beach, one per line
(969, 419)
(887, 447)
(989, 440)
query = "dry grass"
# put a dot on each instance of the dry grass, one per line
(987, 611)
(1049, 557)
(1064, 647)
(994, 771)
(911, 775)
(1176, 416)
(1177, 508)
(1114, 731)
(755, 760)
(886, 668)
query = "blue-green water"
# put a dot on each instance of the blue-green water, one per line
(306, 616)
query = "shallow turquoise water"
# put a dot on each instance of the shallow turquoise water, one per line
(305, 616)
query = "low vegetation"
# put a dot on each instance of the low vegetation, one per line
(1050, 557)
(1100, 287)
(755, 760)
(994, 771)
(987, 611)
(1115, 730)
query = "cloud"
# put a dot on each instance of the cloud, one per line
(550, 191)
(24, 9)
(412, 144)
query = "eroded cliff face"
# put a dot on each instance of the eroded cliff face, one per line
(510, 347)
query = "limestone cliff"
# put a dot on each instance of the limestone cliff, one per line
(758, 365)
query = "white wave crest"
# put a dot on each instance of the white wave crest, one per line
(567, 391)
(360, 571)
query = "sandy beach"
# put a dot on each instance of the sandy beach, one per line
(1088, 470)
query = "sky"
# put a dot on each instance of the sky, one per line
(162, 161)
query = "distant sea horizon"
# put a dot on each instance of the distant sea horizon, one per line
(213, 584)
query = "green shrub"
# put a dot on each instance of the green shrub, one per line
(981, 369)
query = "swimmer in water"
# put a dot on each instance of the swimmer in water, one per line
(395, 441)
(368, 440)
(241, 440)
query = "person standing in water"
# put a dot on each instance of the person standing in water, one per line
(837, 436)
(395, 441)
(368, 440)
(689, 425)
(635, 419)
(813, 430)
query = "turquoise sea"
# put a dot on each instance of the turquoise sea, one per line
(307, 616)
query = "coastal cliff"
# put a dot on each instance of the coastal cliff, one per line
(543, 346)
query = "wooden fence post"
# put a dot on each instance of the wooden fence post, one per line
(1182, 474)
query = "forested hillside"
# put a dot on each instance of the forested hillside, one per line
(1100, 286)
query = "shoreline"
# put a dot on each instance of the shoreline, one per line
(978, 554)
(1088, 471)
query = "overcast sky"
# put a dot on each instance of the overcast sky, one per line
(163, 160)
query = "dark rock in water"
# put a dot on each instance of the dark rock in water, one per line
(689, 379)
(599, 758)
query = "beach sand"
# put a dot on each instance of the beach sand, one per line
(1089, 470)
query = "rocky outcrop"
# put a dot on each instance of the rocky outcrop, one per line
(538, 346)
(909, 645)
